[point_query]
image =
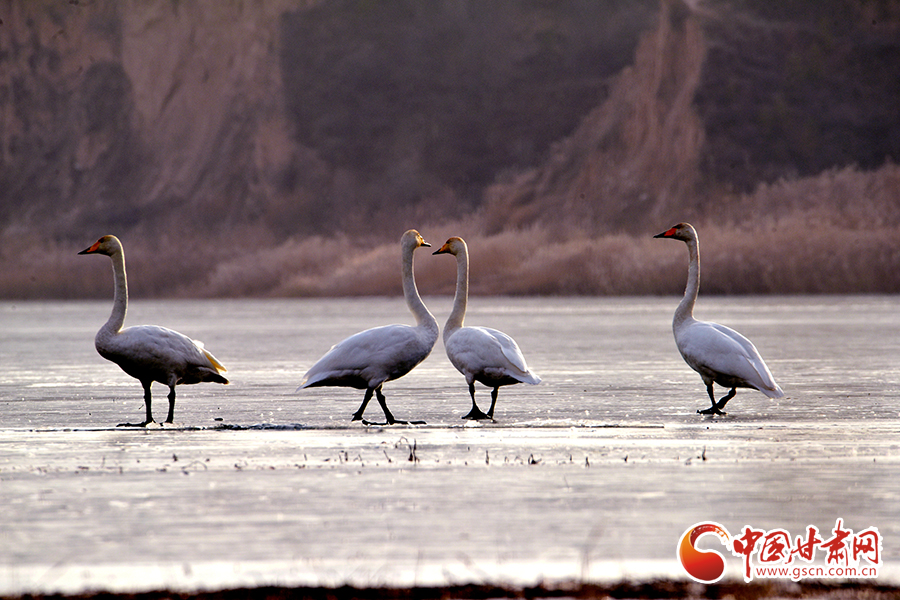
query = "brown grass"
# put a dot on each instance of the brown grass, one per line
(838, 232)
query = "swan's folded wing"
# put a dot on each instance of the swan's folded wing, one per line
(477, 348)
(373, 355)
(714, 347)
(765, 381)
(510, 349)
(151, 344)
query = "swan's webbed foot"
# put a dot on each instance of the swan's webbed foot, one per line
(388, 417)
(477, 415)
(716, 408)
(392, 422)
(144, 424)
(357, 416)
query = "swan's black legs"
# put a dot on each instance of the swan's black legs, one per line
(149, 418)
(494, 392)
(716, 407)
(712, 399)
(171, 417)
(357, 416)
(475, 413)
(388, 417)
(724, 400)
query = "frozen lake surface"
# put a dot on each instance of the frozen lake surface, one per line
(593, 475)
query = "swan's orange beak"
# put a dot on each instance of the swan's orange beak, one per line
(92, 249)
(666, 234)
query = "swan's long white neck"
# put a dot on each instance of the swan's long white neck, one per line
(685, 310)
(120, 298)
(460, 300)
(423, 317)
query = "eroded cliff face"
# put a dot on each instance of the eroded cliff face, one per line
(115, 114)
(634, 157)
(296, 117)
(722, 98)
(292, 117)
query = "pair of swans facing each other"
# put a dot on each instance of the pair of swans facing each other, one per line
(365, 360)
(372, 357)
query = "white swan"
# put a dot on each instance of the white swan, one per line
(720, 354)
(370, 358)
(481, 354)
(147, 352)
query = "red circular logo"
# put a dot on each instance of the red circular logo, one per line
(705, 566)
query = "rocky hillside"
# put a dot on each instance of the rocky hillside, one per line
(248, 143)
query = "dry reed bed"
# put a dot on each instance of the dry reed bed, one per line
(801, 254)
(838, 232)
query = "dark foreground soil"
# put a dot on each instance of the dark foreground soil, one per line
(656, 589)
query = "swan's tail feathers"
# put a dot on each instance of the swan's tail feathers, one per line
(766, 383)
(306, 382)
(219, 367)
(531, 378)
(775, 392)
